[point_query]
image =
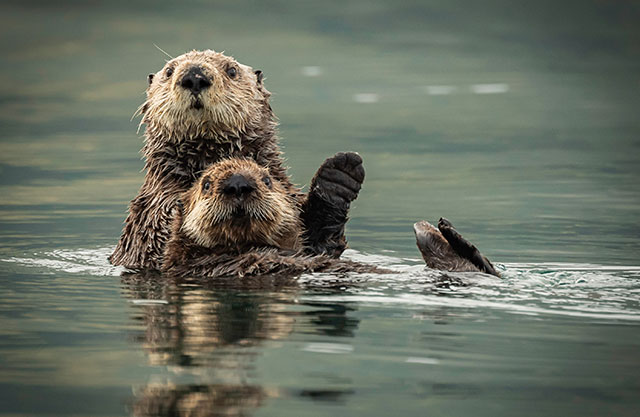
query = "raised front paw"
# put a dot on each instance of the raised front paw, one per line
(339, 179)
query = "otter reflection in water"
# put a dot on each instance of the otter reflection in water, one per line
(207, 335)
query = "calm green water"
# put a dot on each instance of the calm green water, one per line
(516, 120)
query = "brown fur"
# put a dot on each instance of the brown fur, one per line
(186, 132)
(215, 234)
(445, 249)
(437, 252)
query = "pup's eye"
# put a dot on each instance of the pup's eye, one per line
(206, 186)
(232, 72)
(169, 72)
(267, 181)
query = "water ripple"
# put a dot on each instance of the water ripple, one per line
(72, 261)
(601, 292)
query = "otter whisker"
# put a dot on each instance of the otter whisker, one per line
(138, 111)
(161, 50)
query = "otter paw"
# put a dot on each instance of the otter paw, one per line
(461, 245)
(339, 179)
(444, 223)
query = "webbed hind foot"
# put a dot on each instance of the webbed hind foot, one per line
(464, 248)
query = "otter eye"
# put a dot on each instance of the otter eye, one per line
(169, 72)
(267, 181)
(206, 186)
(232, 72)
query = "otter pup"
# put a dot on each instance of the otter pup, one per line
(444, 248)
(203, 107)
(239, 219)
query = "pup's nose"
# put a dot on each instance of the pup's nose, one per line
(238, 186)
(195, 80)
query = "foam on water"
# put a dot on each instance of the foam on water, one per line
(73, 261)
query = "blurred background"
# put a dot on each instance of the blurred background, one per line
(516, 120)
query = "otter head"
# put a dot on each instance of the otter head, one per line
(205, 94)
(237, 204)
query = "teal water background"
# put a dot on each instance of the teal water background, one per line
(516, 120)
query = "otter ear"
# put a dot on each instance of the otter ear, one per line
(259, 75)
(150, 78)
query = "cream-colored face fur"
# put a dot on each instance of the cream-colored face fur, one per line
(267, 216)
(234, 102)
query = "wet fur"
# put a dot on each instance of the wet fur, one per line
(263, 262)
(325, 212)
(267, 216)
(181, 140)
(209, 240)
(445, 249)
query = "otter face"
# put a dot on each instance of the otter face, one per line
(205, 94)
(236, 203)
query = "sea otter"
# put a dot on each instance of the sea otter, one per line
(203, 107)
(239, 220)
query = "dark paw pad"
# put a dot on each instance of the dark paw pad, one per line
(339, 178)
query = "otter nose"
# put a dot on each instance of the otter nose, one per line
(238, 186)
(195, 80)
